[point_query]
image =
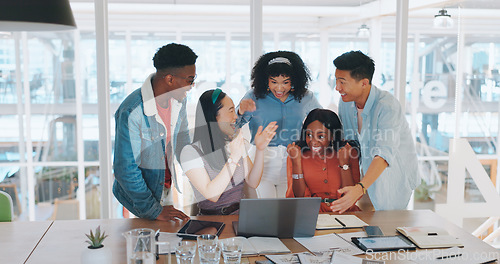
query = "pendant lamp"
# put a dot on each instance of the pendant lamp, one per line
(36, 15)
(363, 31)
(443, 20)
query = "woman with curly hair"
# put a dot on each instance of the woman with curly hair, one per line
(279, 94)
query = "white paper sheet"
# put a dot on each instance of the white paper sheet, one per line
(349, 236)
(318, 244)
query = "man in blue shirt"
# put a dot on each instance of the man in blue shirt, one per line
(374, 118)
(151, 130)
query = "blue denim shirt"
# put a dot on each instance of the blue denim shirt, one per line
(289, 115)
(139, 155)
(384, 133)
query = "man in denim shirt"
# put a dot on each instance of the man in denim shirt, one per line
(151, 130)
(374, 118)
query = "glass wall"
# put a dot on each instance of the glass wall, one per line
(444, 63)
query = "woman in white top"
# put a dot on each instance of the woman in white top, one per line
(217, 162)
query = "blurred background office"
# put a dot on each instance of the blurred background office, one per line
(49, 86)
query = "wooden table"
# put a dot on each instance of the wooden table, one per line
(65, 240)
(19, 239)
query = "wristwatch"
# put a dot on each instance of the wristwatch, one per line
(344, 167)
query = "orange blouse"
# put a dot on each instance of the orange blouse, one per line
(322, 178)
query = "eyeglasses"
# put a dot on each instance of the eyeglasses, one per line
(189, 79)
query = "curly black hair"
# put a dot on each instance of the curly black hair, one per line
(358, 64)
(297, 71)
(173, 55)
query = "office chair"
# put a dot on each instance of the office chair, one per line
(6, 207)
(11, 189)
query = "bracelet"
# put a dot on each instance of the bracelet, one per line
(362, 187)
(297, 176)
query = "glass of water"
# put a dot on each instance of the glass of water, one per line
(231, 250)
(208, 249)
(185, 251)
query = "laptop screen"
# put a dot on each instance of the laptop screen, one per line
(278, 217)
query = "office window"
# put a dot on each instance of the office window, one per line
(58, 67)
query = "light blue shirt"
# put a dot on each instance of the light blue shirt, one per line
(384, 133)
(289, 115)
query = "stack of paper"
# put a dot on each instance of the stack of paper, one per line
(262, 245)
(334, 257)
(323, 243)
(341, 258)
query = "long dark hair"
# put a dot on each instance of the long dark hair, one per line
(297, 71)
(207, 131)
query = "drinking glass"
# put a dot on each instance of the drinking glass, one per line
(231, 250)
(141, 246)
(208, 249)
(185, 251)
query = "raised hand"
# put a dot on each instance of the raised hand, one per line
(345, 154)
(294, 152)
(264, 136)
(237, 147)
(247, 105)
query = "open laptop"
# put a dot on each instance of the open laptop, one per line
(278, 217)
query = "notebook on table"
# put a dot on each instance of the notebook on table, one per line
(327, 221)
(278, 217)
(429, 237)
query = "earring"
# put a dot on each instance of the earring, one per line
(293, 89)
(268, 89)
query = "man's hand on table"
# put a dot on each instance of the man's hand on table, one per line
(169, 213)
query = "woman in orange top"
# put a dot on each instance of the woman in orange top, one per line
(321, 162)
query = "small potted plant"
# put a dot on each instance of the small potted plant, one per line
(96, 252)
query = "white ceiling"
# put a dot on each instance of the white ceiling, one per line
(290, 16)
(347, 3)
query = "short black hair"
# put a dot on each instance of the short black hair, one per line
(174, 55)
(297, 71)
(358, 64)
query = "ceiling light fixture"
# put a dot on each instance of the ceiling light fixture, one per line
(363, 31)
(443, 19)
(36, 15)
